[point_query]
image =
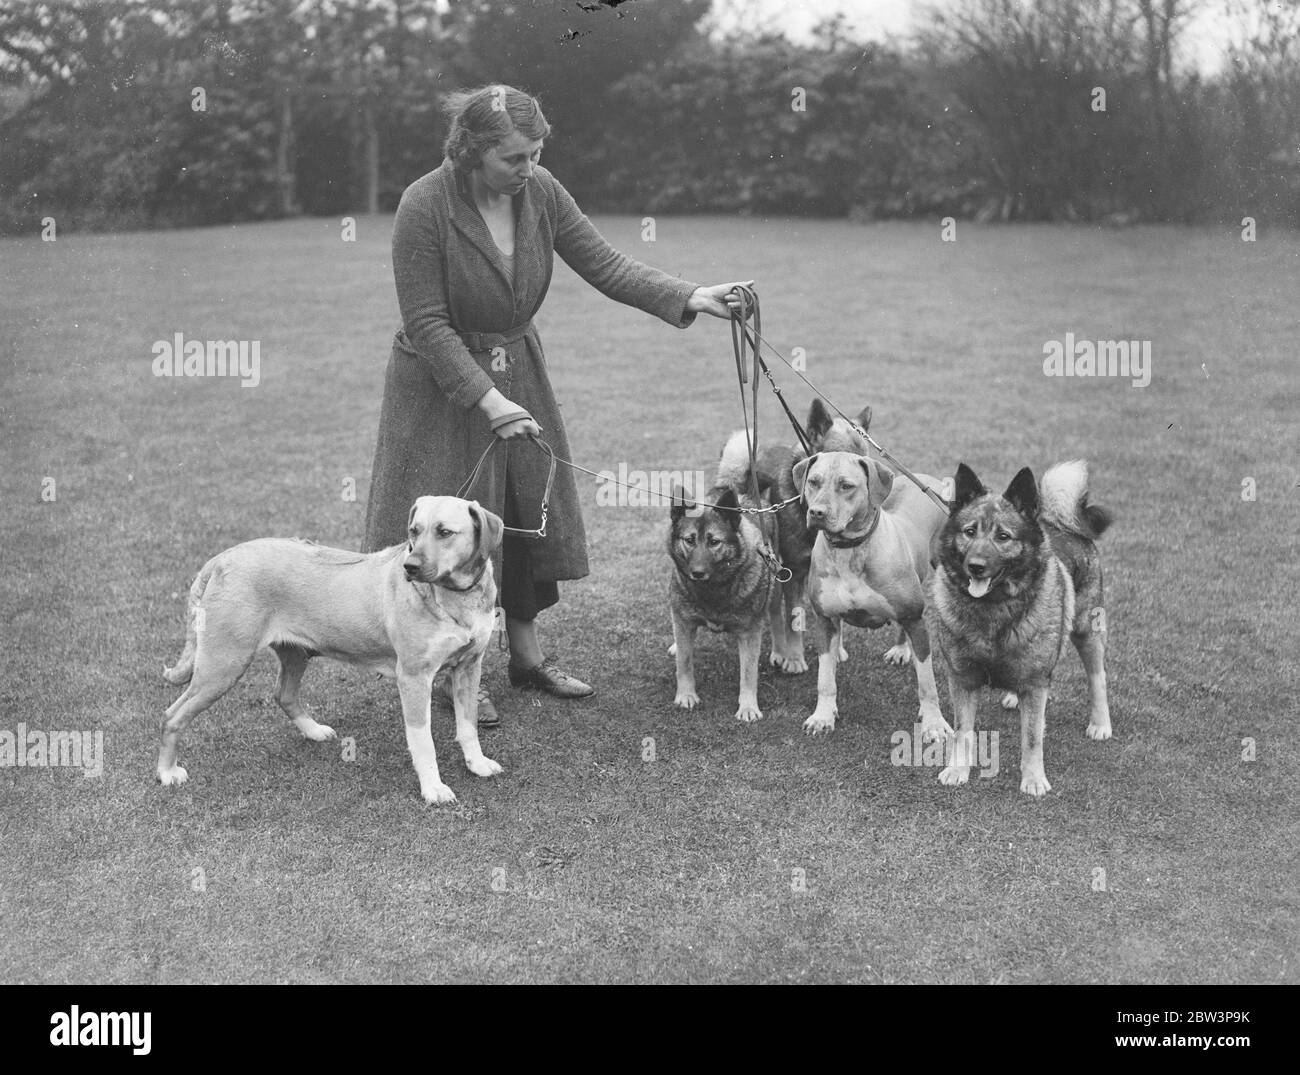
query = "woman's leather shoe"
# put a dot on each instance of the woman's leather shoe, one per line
(548, 677)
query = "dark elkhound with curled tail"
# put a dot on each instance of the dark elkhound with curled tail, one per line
(721, 580)
(1018, 575)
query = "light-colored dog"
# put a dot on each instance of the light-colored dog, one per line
(869, 567)
(407, 611)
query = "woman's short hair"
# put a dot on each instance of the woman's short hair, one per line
(483, 117)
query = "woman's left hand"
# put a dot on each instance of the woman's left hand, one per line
(715, 299)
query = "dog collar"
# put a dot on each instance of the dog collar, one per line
(853, 542)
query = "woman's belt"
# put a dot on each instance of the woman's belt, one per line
(485, 341)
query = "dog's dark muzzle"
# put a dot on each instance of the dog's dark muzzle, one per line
(816, 518)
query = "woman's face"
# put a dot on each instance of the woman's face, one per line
(508, 165)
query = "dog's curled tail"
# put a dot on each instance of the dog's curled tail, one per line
(1063, 501)
(733, 467)
(184, 667)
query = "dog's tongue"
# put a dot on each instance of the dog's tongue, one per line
(978, 587)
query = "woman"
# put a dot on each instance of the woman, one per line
(473, 245)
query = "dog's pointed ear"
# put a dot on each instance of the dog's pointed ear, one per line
(800, 471)
(880, 479)
(490, 530)
(730, 505)
(968, 487)
(679, 502)
(1022, 493)
(819, 419)
(864, 419)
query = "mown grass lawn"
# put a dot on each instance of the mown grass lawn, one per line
(280, 861)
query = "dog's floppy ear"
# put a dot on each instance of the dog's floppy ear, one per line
(968, 487)
(1022, 493)
(489, 527)
(819, 419)
(410, 521)
(730, 505)
(880, 480)
(800, 470)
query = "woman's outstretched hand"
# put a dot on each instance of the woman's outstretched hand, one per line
(715, 299)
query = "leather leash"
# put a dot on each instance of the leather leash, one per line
(468, 484)
(741, 344)
(885, 453)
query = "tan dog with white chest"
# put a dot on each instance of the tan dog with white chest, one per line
(406, 611)
(869, 567)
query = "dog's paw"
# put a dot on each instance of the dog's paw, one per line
(173, 777)
(672, 650)
(900, 655)
(317, 733)
(1098, 731)
(1010, 700)
(1035, 784)
(954, 775)
(439, 795)
(482, 766)
(934, 727)
(791, 664)
(686, 698)
(747, 714)
(820, 722)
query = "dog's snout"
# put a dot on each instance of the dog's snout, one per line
(976, 568)
(412, 568)
(816, 511)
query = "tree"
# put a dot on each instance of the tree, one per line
(1026, 76)
(570, 54)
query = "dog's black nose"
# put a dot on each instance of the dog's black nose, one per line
(817, 513)
(411, 570)
(976, 568)
(697, 574)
